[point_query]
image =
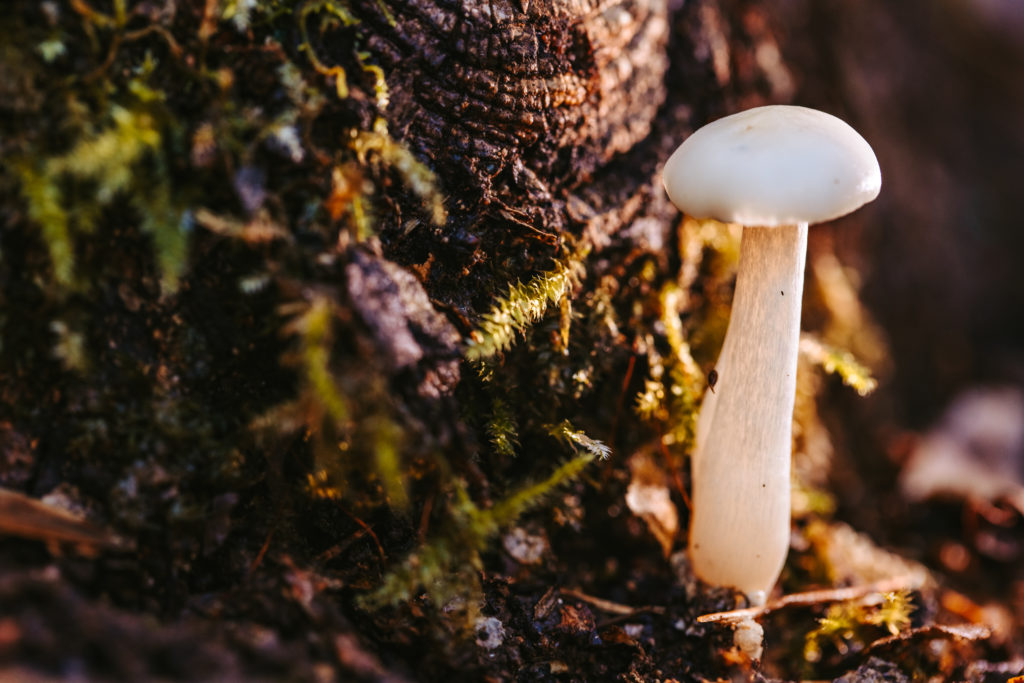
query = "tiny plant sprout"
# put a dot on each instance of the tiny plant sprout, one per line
(775, 170)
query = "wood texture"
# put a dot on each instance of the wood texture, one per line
(544, 91)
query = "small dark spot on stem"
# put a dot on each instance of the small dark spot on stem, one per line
(712, 379)
(782, 293)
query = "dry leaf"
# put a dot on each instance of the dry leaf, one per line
(975, 451)
(649, 499)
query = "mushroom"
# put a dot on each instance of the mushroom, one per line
(775, 170)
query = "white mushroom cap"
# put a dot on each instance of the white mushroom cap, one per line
(771, 166)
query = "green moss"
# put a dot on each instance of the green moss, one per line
(567, 433)
(839, 362)
(43, 200)
(395, 156)
(524, 305)
(121, 160)
(329, 14)
(447, 566)
(502, 429)
(345, 414)
(313, 327)
(673, 391)
(850, 625)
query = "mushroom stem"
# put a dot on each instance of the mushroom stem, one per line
(739, 534)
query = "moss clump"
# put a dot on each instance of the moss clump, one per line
(525, 304)
(117, 158)
(852, 625)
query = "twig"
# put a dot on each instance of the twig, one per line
(27, 517)
(366, 529)
(262, 553)
(608, 605)
(905, 582)
(172, 44)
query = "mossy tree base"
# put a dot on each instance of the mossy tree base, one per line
(316, 376)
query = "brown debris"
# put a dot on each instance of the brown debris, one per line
(29, 518)
(976, 451)
(403, 322)
(648, 497)
(609, 606)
